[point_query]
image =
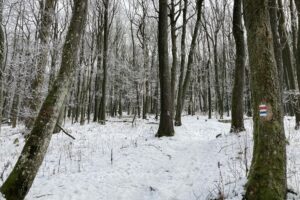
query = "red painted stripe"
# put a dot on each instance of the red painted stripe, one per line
(262, 107)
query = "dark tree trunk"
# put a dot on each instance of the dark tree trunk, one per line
(98, 68)
(181, 95)
(293, 25)
(21, 178)
(182, 66)
(267, 178)
(248, 93)
(102, 114)
(297, 55)
(166, 120)
(192, 52)
(237, 110)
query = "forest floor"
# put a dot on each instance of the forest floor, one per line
(119, 161)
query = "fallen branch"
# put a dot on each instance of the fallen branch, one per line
(65, 132)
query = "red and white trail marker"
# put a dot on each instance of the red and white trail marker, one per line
(263, 110)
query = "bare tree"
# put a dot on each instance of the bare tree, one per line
(237, 111)
(106, 26)
(187, 77)
(21, 178)
(34, 102)
(166, 119)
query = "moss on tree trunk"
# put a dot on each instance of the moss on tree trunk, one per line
(267, 178)
(21, 178)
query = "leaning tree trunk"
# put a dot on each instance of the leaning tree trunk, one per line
(35, 100)
(166, 119)
(237, 109)
(191, 54)
(2, 58)
(186, 82)
(267, 178)
(21, 178)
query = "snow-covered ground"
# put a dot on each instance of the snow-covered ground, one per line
(119, 161)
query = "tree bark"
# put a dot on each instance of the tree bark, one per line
(192, 52)
(102, 114)
(182, 66)
(166, 120)
(297, 55)
(173, 21)
(21, 178)
(237, 109)
(186, 82)
(273, 10)
(267, 178)
(286, 49)
(2, 63)
(35, 100)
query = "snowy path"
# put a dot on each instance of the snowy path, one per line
(121, 162)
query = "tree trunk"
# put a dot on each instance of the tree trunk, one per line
(192, 52)
(166, 120)
(102, 114)
(286, 49)
(182, 66)
(173, 21)
(2, 63)
(293, 26)
(219, 103)
(99, 63)
(267, 178)
(16, 97)
(21, 178)
(54, 56)
(187, 78)
(287, 56)
(273, 10)
(237, 111)
(35, 101)
(297, 55)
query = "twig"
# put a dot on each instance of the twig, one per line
(225, 147)
(44, 195)
(65, 132)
